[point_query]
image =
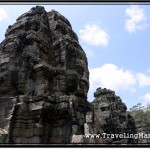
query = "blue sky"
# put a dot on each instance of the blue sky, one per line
(115, 39)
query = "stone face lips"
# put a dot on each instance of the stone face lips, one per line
(44, 80)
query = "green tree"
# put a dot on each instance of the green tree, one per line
(140, 116)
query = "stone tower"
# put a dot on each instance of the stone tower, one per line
(45, 77)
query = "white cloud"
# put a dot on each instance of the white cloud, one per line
(143, 80)
(146, 98)
(94, 35)
(137, 19)
(3, 14)
(111, 77)
(115, 78)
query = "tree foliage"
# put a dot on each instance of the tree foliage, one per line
(141, 114)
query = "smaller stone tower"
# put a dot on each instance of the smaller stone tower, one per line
(111, 116)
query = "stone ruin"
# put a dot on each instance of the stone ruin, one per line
(113, 117)
(44, 81)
